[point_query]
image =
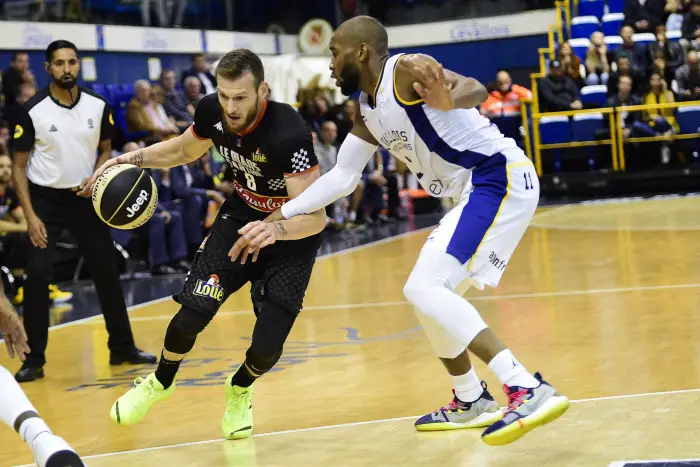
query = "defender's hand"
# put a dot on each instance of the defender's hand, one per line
(14, 335)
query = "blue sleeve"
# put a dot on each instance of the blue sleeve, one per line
(179, 186)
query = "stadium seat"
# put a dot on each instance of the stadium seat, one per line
(583, 26)
(509, 125)
(613, 42)
(616, 6)
(555, 130)
(612, 23)
(674, 36)
(580, 47)
(645, 38)
(591, 8)
(689, 119)
(586, 126)
(594, 95)
(100, 89)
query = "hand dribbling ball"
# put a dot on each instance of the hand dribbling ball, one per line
(125, 196)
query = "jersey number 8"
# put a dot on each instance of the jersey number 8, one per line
(250, 181)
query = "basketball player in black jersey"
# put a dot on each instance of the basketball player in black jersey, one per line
(270, 150)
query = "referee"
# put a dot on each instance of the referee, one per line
(56, 139)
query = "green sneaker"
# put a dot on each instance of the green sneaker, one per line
(238, 417)
(134, 405)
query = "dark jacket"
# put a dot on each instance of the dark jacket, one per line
(652, 11)
(187, 73)
(557, 94)
(672, 51)
(690, 24)
(614, 101)
(637, 55)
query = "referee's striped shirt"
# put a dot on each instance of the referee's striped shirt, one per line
(62, 141)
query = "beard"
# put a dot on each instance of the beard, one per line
(65, 81)
(242, 123)
(350, 79)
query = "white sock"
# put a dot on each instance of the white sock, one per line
(468, 386)
(511, 372)
(13, 402)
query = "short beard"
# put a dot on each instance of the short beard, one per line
(350, 80)
(65, 84)
(248, 121)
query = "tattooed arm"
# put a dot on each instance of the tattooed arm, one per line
(176, 151)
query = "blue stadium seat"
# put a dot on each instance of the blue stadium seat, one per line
(616, 6)
(689, 119)
(100, 89)
(612, 23)
(591, 8)
(645, 38)
(509, 125)
(583, 26)
(596, 95)
(555, 130)
(674, 36)
(585, 127)
(613, 42)
(580, 47)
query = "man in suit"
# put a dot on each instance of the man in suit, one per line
(200, 70)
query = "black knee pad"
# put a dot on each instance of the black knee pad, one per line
(183, 329)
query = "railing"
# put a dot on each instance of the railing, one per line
(616, 140)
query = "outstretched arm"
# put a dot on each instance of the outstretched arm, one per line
(421, 77)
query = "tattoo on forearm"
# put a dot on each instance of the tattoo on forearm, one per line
(281, 231)
(138, 159)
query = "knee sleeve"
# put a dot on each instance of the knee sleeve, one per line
(272, 327)
(183, 329)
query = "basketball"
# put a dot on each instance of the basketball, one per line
(125, 196)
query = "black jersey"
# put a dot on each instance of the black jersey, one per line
(279, 146)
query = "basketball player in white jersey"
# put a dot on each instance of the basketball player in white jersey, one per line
(426, 117)
(16, 410)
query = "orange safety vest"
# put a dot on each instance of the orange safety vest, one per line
(500, 105)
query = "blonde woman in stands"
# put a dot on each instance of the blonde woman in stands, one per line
(597, 65)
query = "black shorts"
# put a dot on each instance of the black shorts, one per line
(14, 250)
(281, 273)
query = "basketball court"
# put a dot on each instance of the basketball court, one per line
(602, 298)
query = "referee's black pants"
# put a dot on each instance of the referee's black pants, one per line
(60, 209)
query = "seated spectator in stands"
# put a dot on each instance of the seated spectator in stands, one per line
(345, 119)
(675, 11)
(688, 78)
(624, 97)
(557, 91)
(4, 137)
(691, 27)
(193, 91)
(142, 115)
(14, 76)
(167, 246)
(174, 101)
(645, 15)
(637, 53)
(661, 120)
(504, 101)
(597, 66)
(658, 65)
(672, 52)
(624, 68)
(158, 99)
(200, 70)
(323, 107)
(570, 63)
(189, 185)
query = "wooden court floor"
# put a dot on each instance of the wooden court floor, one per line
(602, 298)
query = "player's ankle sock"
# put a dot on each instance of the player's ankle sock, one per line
(243, 378)
(166, 371)
(511, 372)
(31, 427)
(467, 386)
(13, 402)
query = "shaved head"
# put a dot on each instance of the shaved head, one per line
(358, 45)
(364, 29)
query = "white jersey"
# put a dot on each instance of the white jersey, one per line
(441, 148)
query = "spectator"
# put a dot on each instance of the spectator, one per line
(688, 78)
(345, 119)
(597, 65)
(193, 92)
(659, 66)
(174, 101)
(570, 63)
(200, 70)
(17, 74)
(635, 52)
(661, 120)
(672, 52)
(158, 99)
(142, 115)
(323, 107)
(624, 97)
(4, 137)
(624, 68)
(691, 26)
(504, 101)
(675, 10)
(644, 15)
(557, 91)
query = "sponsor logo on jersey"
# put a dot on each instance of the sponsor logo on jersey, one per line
(496, 262)
(259, 202)
(395, 141)
(259, 157)
(209, 289)
(239, 162)
(19, 131)
(219, 126)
